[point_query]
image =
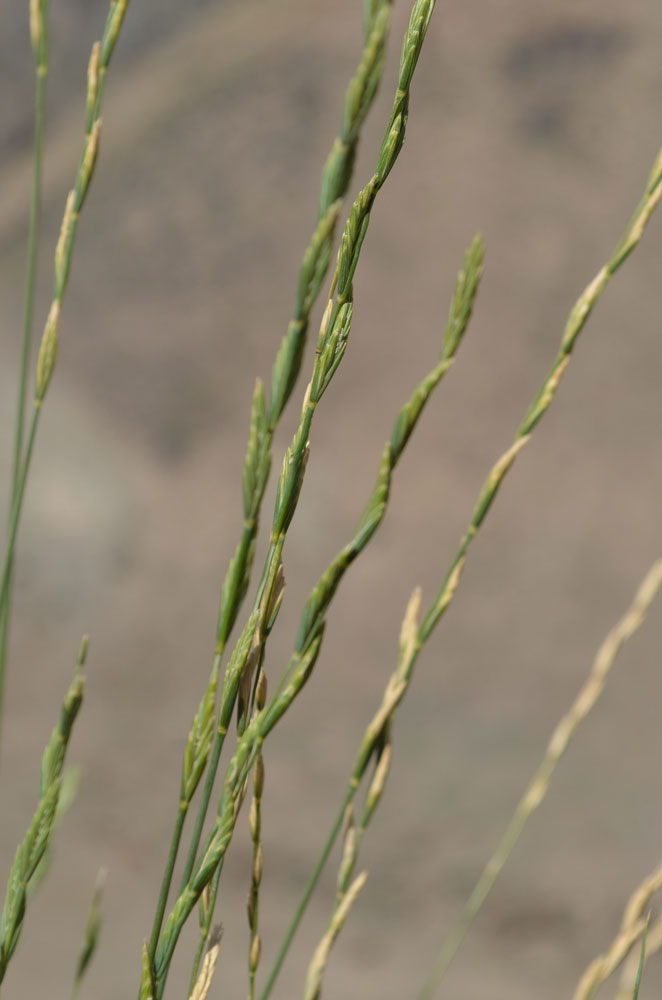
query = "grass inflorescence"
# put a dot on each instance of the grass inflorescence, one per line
(244, 699)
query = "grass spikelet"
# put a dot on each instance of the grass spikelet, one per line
(91, 935)
(255, 825)
(47, 354)
(539, 784)
(147, 989)
(464, 296)
(34, 845)
(317, 966)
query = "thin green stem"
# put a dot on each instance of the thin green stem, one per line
(207, 789)
(26, 338)
(97, 68)
(30, 270)
(167, 875)
(307, 893)
(15, 516)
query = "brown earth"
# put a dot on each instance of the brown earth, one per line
(537, 125)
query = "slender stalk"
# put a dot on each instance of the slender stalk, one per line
(309, 888)
(633, 966)
(15, 514)
(97, 69)
(30, 270)
(349, 886)
(539, 784)
(253, 908)
(642, 960)
(167, 876)
(39, 32)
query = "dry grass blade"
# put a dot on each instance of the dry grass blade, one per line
(203, 984)
(537, 789)
(318, 964)
(633, 925)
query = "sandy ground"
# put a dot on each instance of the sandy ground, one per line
(536, 124)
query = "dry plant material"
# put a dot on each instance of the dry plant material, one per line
(539, 784)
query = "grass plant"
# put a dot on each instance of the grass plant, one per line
(245, 697)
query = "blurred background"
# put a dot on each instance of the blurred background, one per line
(534, 123)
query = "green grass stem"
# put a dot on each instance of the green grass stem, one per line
(41, 70)
(17, 507)
(642, 959)
(309, 888)
(98, 65)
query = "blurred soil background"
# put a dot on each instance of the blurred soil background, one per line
(533, 123)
